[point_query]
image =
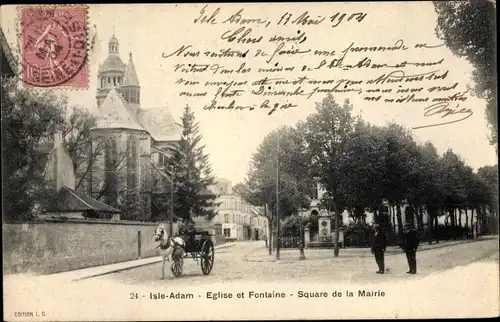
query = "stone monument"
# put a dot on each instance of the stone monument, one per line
(324, 226)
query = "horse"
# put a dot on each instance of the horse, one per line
(169, 246)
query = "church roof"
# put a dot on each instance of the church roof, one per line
(68, 200)
(130, 75)
(114, 113)
(160, 123)
(113, 62)
(113, 40)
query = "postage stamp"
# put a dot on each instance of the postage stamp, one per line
(53, 42)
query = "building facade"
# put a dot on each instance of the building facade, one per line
(236, 219)
(131, 143)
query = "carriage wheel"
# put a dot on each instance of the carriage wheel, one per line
(176, 267)
(207, 257)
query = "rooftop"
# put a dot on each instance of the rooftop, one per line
(68, 200)
(114, 113)
(160, 123)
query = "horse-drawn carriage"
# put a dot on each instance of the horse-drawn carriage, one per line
(197, 244)
(200, 247)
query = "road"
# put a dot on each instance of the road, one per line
(231, 266)
(453, 281)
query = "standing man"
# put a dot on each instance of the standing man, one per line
(378, 248)
(411, 245)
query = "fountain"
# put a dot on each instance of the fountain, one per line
(325, 233)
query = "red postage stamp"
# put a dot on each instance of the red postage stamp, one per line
(54, 46)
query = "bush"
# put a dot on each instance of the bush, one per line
(361, 235)
(447, 232)
(291, 226)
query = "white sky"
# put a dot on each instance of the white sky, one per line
(232, 136)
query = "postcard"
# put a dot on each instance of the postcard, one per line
(250, 161)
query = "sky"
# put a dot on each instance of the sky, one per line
(231, 137)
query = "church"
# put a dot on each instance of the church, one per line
(131, 143)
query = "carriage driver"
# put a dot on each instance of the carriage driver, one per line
(187, 229)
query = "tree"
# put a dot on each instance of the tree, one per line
(455, 196)
(364, 166)
(400, 160)
(468, 28)
(325, 134)
(192, 173)
(488, 180)
(428, 188)
(295, 183)
(29, 120)
(81, 145)
(240, 189)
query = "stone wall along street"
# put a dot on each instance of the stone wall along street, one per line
(55, 246)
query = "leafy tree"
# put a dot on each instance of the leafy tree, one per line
(364, 166)
(81, 145)
(468, 28)
(488, 179)
(240, 189)
(30, 119)
(192, 173)
(325, 133)
(400, 159)
(292, 225)
(455, 196)
(162, 196)
(428, 189)
(295, 185)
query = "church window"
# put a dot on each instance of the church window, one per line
(132, 162)
(110, 173)
(125, 95)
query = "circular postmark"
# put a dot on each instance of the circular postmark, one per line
(54, 47)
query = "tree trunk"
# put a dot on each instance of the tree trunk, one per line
(460, 217)
(393, 219)
(398, 216)
(472, 222)
(416, 215)
(421, 217)
(270, 243)
(436, 224)
(269, 232)
(337, 230)
(430, 225)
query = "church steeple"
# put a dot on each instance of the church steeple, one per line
(131, 75)
(111, 72)
(130, 89)
(113, 46)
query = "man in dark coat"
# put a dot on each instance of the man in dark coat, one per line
(378, 248)
(410, 247)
